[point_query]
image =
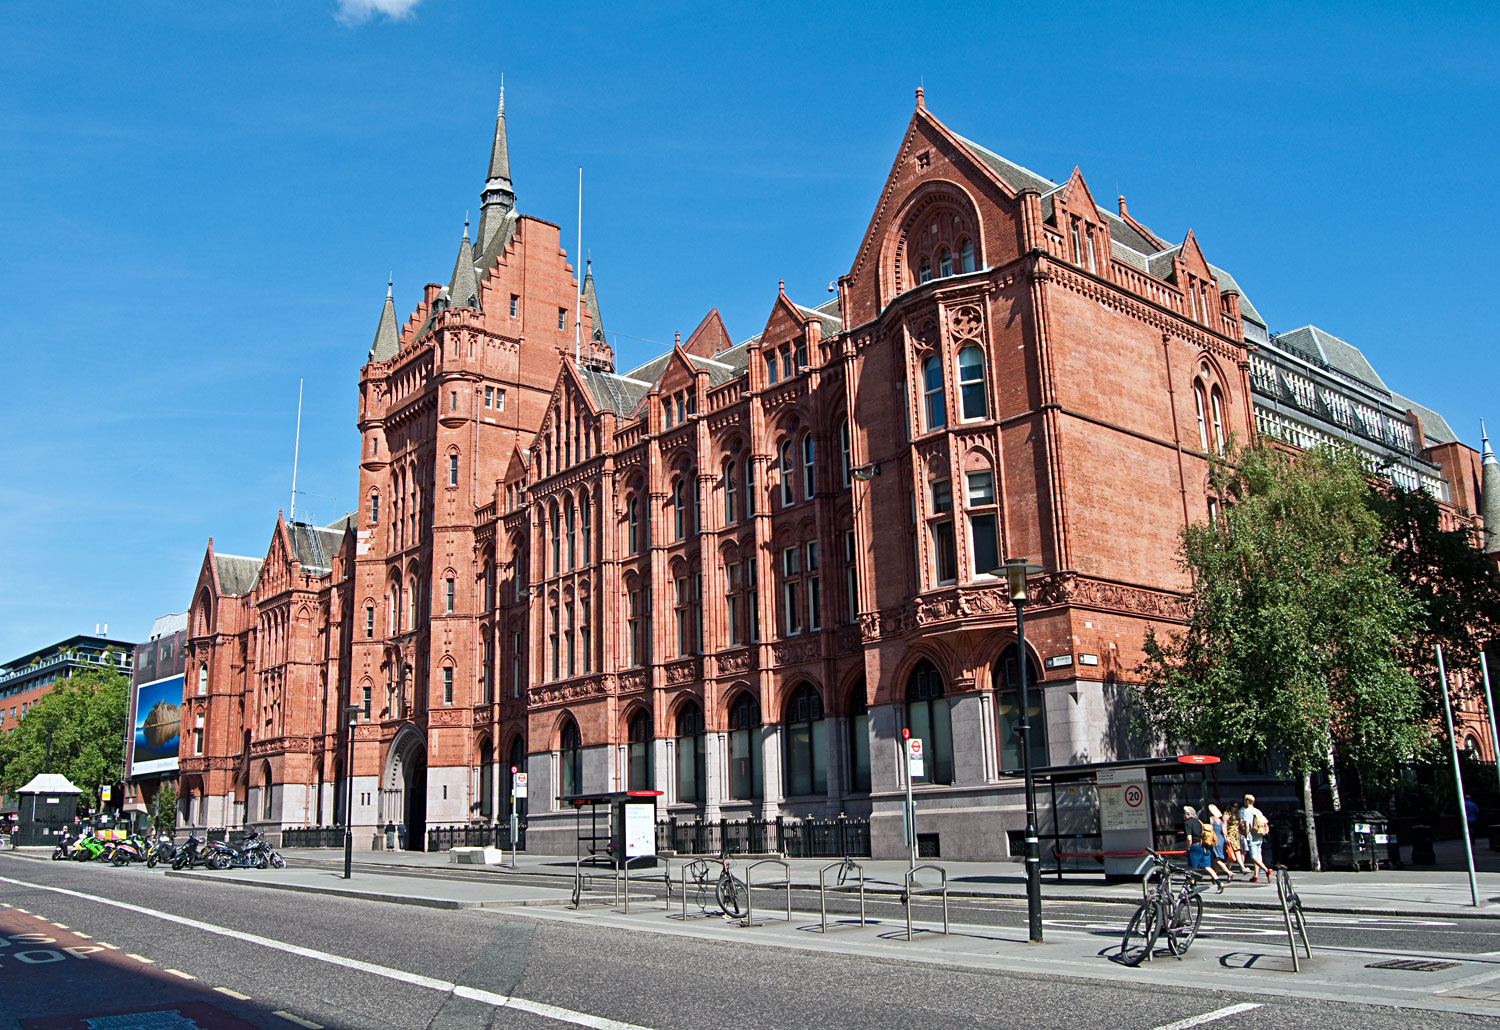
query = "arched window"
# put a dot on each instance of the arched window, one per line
(486, 779)
(934, 400)
(809, 475)
(413, 588)
(265, 791)
(1008, 709)
(1217, 399)
(924, 271)
(928, 719)
(966, 256)
(556, 540)
(677, 510)
(845, 466)
(586, 523)
(639, 773)
(731, 493)
(749, 486)
(806, 744)
(745, 777)
(945, 263)
(691, 755)
(859, 740)
(971, 391)
(787, 471)
(1201, 403)
(569, 520)
(570, 754)
(203, 679)
(632, 524)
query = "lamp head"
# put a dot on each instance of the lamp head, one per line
(1016, 570)
(351, 713)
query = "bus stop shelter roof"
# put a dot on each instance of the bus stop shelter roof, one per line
(606, 797)
(1069, 773)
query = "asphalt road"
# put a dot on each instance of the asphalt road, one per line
(233, 957)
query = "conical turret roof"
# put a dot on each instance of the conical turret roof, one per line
(591, 302)
(463, 289)
(387, 338)
(1489, 488)
(497, 201)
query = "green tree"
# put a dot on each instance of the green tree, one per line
(1459, 590)
(85, 718)
(1295, 623)
(164, 811)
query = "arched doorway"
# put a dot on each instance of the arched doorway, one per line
(404, 787)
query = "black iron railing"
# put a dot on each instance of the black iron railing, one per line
(804, 838)
(474, 835)
(313, 837)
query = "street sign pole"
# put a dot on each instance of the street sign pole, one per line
(911, 806)
(1458, 780)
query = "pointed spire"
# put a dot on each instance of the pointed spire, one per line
(498, 199)
(1489, 495)
(597, 353)
(463, 290)
(387, 338)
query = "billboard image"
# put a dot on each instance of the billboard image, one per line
(156, 726)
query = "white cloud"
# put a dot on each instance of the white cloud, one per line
(355, 12)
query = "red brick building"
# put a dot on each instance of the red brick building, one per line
(735, 572)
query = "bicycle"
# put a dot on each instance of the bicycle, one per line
(1173, 910)
(847, 868)
(729, 890)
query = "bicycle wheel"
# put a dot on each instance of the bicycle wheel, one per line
(732, 896)
(1140, 935)
(1182, 928)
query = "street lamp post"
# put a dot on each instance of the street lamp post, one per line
(1016, 570)
(351, 717)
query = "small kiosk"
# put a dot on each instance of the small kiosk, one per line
(615, 827)
(46, 809)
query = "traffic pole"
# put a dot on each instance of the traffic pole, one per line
(1458, 780)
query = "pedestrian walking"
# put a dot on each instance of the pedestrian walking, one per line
(1254, 827)
(1471, 812)
(1220, 847)
(401, 835)
(1200, 836)
(1234, 854)
(390, 835)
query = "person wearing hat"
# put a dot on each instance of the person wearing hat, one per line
(1200, 839)
(1220, 849)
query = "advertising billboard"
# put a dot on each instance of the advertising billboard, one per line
(155, 720)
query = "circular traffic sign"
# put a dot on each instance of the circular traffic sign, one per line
(1134, 796)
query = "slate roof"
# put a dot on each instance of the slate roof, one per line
(237, 574)
(621, 394)
(828, 321)
(1328, 349)
(387, 337)
(1434, 426)
(719, 371)
(463, 288)
(315, 546)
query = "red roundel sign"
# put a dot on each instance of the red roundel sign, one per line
(1134, 796)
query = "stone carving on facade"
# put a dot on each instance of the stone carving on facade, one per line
(684, 671)
(448, 717)
(848, 639)
(793, 651)
(565, 692)
(1135, 600)
(965, 323)
(730, 663)
(632, 679)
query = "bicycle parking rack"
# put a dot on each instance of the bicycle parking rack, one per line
(786, 881)
(909, 888)
(683, 882)
(841, 887)
(1291, 905)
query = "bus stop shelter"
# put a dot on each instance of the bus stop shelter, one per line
(1101, 817)
(606, 822)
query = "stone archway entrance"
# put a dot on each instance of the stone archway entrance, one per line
(404, 787)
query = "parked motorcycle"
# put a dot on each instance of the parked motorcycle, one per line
(256, 851)
(192, 853)
(64, 847)
(161, 850)
(87, 847)
(123, 852)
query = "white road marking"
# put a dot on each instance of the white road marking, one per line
(83, 935)
(233, 994)
(415, 979)
(111, 947)
(141, 958)
(60, 926)
(298, 1020)
(1209, 1017)
(185, 976)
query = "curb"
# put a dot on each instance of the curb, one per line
(449, 904)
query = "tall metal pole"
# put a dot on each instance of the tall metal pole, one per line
(1458, 780)
(911, 807)
(1033, 857)
(1489, 703)
(349, 800)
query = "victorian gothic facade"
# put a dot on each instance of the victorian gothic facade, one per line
(735, 573)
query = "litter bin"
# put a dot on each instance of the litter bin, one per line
(1421, 845)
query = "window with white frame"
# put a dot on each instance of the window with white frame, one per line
(984, 538)
(791, 593)
(971, 391)
(845, 467)
(944, 547)
(934, 398)
(788, 473)
(809, 477)
(851, 579)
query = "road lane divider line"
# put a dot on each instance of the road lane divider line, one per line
(538, 1008)
(178, 972)
(233, 994)
(1209, 1017)
(141, 958)
(60, 926)
(298, 1020)
(111, 947)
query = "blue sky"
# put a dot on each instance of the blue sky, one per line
(199, 204)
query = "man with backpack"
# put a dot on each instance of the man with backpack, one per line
(1254, 827)
(1201, 839)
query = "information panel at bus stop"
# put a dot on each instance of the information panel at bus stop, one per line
(1124, 818)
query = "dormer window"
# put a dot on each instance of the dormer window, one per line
(771, 376)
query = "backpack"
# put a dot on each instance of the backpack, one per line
(1261, 827)
(1209, 837)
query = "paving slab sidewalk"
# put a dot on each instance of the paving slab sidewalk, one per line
(1409, 892)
